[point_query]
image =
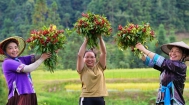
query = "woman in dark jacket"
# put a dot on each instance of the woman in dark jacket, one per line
(173, 71)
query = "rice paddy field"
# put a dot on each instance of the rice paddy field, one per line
(125, 87)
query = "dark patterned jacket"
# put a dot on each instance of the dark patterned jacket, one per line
(172, 78)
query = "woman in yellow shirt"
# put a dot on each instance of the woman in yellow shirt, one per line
(92, 74)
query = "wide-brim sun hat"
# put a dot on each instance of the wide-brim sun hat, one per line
(167, 47)
(19, 40)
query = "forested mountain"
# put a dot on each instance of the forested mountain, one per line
(166, 17)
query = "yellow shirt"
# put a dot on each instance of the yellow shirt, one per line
(93, 82)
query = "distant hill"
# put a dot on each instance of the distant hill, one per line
(183, 37)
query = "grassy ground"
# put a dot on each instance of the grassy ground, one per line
(126, 87)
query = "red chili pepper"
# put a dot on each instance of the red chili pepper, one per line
(120, 27)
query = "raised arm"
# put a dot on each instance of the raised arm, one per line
(80, 60)
(102, 58)
(145, 51)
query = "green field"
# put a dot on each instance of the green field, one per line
(125, 86)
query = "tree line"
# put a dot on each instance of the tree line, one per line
(166, 17)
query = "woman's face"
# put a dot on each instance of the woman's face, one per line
(89, 59)
(12, 49)
(175, 53)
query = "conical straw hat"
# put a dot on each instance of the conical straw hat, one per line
(19, 40)
(167, 47)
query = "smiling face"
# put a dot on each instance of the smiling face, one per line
(12, 49)
(175, 53)
(89, 59)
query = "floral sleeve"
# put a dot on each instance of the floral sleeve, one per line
(174, 66)
(156, 62)
(148, 62)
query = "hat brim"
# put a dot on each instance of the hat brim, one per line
(167, 47)
(21, 45)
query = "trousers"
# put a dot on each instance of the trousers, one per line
(91, 101)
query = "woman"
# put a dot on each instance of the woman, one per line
(17, 71)
(173, 71)
(92, 75)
